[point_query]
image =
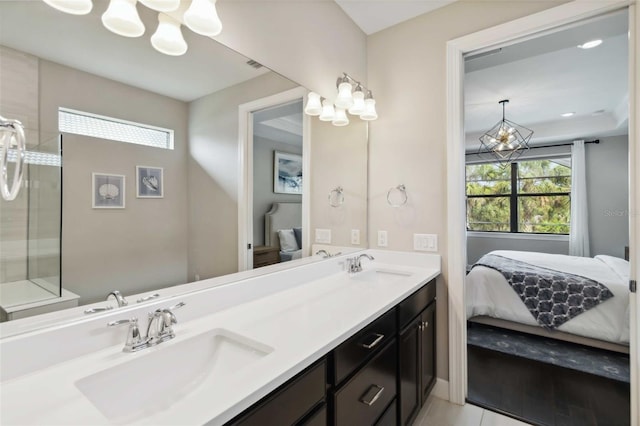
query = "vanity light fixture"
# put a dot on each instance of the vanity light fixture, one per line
(506, 140)
(328, 111)
(590, 44)
(340, 119)
(314, 104)
(74, 7)
(358, 101)
(121, 17)
(168, 37)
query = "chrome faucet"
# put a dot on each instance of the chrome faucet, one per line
(159, 329)
(120, 300)
(326, 254)
(354, 265)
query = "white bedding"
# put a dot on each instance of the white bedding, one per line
(488, 293)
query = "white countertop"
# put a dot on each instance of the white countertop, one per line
(300, 324)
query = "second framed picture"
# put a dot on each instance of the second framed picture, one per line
(149, 183)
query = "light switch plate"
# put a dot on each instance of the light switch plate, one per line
(425, 242)
(355, 236)
(323, 236)
(382, 239)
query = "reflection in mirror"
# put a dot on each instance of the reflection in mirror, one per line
(535, 249)
(189, 230)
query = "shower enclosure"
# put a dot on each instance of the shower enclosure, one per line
(30, 234)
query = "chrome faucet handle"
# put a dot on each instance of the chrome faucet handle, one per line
(325, 254)
(134, 341)
(161, 323)
(120, 300)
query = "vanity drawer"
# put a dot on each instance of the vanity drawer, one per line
(292, 401)
(414, 304)
(355, 351)
(363, 399)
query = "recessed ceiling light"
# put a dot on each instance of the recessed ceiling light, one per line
(590, 44)
(568, 114)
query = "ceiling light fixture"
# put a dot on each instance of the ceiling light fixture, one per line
(590, 44)
(506, 140)
(357, 101)
(568, 114)
(121, 17)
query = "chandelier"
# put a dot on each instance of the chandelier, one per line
(506, 140)
(121, 17)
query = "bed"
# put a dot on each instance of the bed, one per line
(284, 221)
(491, 300)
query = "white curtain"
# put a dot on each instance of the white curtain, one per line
(579, 233)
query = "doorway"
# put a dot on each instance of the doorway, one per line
(506, 34)
(276, 121)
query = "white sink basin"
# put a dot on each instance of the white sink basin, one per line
(156, 378)
(379, 275)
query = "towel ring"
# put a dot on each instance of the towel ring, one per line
(402, 191)
(12, 130)
(336, 197)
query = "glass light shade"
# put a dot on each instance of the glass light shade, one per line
(122, 18)
(344, 99)
(168, 37)
(202, 18)
(369, 110)
(314, 106)
(161, 5)
(328, 112)
(358, 103)
(74, 7)
(340, 118)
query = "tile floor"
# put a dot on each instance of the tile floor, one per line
(438, 412)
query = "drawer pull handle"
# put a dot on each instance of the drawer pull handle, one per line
(370, 401)
(378, 339)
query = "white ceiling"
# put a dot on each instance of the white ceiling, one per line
(548, 76)
(375, 15)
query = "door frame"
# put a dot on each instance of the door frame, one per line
(508, 33)
(245, 174)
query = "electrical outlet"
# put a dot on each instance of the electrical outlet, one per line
(355, 236)
(382, 239)
(323, 236)
(425, 242)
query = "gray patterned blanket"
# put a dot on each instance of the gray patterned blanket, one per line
(552, 297)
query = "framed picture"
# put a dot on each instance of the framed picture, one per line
(149, 182)
(107, 191)
(287, 173)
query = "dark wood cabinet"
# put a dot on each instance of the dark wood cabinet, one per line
(416, 349)
(380, 376)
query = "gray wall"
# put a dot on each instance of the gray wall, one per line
(608, 195)
(608, 198)
(263, 195)
(213, 174)
(144, 245)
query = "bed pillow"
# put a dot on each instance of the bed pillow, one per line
(287, 240)
(298, 233)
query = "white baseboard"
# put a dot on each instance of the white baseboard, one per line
(441, 389)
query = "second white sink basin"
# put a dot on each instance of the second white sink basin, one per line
(158, 377)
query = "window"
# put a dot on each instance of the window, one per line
(98, 126)
(527, 196)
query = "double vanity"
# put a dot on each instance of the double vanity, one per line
(313, 344)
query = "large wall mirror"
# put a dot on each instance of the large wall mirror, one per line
(143, 215)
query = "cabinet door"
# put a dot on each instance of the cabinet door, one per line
(409, 372)
(428, 351)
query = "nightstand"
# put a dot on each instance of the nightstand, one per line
(265, 255)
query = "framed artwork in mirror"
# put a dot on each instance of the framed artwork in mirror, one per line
(108, 191)
(287, 173)
(149, 183)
